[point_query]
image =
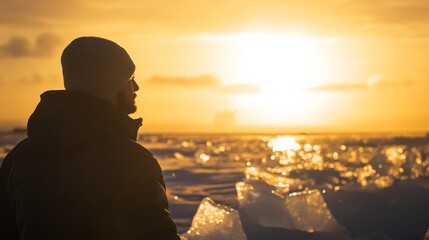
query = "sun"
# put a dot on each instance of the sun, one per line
(279, 61)
(284, 66)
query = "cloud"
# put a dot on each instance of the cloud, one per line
(241, 88)
(204, 81)
(197, 81)
(395, 11)
(34, 79)
(17, 47)
(376, 80)
(46, 44)
(337, 87)
(40, 12)
(397, 17)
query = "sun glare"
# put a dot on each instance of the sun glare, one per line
(279, 61)
(284, 143)
(283, 66)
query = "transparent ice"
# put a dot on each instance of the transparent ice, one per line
(213, 221)
(304, 211)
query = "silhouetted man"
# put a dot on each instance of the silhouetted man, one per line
(80, 173)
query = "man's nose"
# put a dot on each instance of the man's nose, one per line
(135, 85)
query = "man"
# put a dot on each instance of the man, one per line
(80, 173)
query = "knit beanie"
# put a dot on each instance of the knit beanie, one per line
(96, 66)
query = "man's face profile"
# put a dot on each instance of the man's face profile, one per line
(126, 97)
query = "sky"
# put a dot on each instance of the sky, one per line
(234, 65)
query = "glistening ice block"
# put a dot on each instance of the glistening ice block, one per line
(261, 203)
(213, 222)
(304, 211)
(309, 212)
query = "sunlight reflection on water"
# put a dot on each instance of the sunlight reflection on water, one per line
(223, 166)
(284, 143)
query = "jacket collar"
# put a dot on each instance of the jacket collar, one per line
(76, 103)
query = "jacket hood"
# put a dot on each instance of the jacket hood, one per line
(67, 120)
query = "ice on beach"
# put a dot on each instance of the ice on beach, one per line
(427, 235)
(278, 181)
(309, 212)
(304, 211)
(213, 221)
(261, 203)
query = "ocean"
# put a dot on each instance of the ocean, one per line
(256, 186)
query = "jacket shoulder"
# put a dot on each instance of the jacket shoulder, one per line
(130, 156)
(18, 149)
(131, 147)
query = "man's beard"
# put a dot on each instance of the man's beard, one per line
(125, 105)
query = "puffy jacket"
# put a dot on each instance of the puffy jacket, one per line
(81, 175)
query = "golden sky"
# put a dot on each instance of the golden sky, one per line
(235, 65)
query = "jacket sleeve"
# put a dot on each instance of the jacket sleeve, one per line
(140, 210)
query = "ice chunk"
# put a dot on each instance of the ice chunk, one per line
(261, 203)
(304, 211)
(310, 213)
(213, 221)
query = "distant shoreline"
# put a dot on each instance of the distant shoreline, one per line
(419, 134)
